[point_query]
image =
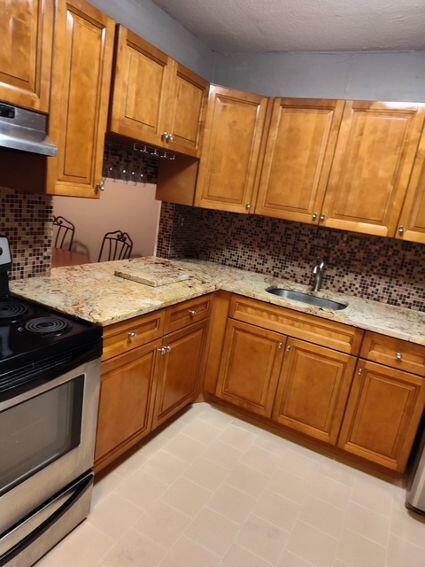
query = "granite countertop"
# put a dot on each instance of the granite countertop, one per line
(92, 292)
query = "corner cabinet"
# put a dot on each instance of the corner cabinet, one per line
(155, 99)
(82, 65)
(228, 166)
(298, 155)
(376, 148)
(26, 28)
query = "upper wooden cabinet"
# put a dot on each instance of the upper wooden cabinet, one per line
(375, 151)
(155, 99)
(228, 167)
(298, 155)
(411, 225)
(80, 94)
(26, 52)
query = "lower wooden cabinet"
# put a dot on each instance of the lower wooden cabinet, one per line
(180, 365)
(126, 401)
(313, 390)
(383, 413)
(250, 367)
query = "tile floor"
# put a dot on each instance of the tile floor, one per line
(211, 490)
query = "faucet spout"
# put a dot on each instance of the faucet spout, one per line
(318, 272)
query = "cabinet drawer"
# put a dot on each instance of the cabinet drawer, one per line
(298, 325)
(394, 352)
(125, 336)
(183, 314)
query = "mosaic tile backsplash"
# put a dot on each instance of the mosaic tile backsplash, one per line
(27, 222)
(381, 269)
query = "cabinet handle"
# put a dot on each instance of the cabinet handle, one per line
(192, 312)
(288, 348)
(399, 356)
(167, 349)
(170, 138)
(322, 218)
(360, 371)
(401, 229)
(248, 206)
(100, 186)
(279, 345)
(314, 216)
(161, 351)
(132, 335)
(165, 136)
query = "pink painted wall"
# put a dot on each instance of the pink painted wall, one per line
(122, 206)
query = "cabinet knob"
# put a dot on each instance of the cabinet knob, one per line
(170, 138)
(360, 371)
(288, 348)
(132, 335)
(401, 229)
(248, 206)
(164, 136)
(100, 186)
(167, 349)
(279, 345)
(399, 356)
(322, 218)
(161, 351)
(192, 312)
(314, 216)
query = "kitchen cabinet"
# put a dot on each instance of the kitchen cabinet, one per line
(228, 166)
(250, 367)
(298, 155)
(181, 363)
(26, 28)
(313, 390)
(126, 401)
(383, 413)
(155, 99)
(373, 160)
(80, 93)
(411, 225)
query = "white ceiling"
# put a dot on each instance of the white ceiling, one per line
(231, 26)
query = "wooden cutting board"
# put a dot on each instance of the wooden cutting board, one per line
(154, 275)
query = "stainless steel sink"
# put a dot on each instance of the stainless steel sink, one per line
(306, 298)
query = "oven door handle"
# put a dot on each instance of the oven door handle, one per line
(76, 491)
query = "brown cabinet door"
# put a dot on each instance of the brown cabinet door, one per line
(411, 225)
(251, 362)
(233, 132)
(180, 369)
(80, 93)
(26, 52)
(298, 155)
(313, 389)
(126, 398)
(382, 416)
(188, 105)
(370, 172)
(142, 83)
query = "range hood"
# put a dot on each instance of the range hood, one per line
(24, 130)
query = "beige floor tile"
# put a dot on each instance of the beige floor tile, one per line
(165, 466)
(84, 546)
(132, 463)
(409, 526)
(188, 553)
(241, 557)
(298, 464)
(288, 559)
(237, 437)
(262, 460)
(272, 442)
(185, 447)
(104, 487)
(277, 509)
(312, 545)
(206, 473)
(368, 523)
(263, 538)
(220, 453)
(357, 551)
(201, 431)
(215, 417)
(330, 490)
(114, 515)
(186, 496)
(290, 486)
(231, 503)
(373, 493)
(141, 489)
(323, 516)
(248, 480)
(134, 549)
(401, 553)
(339, 472)
(163, 523)
(213, 531)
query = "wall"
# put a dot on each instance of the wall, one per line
(381, 269)
(362, 75)
(122, 206)
(160, 29)
(26, 220)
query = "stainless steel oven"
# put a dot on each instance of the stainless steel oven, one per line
(47, 442)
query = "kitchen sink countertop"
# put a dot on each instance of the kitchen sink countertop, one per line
(94, 293)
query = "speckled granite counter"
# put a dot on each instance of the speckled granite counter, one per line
(94, 293)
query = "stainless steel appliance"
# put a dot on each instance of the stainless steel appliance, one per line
(49, 390)
(416, 487)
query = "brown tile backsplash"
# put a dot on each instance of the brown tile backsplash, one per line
(381, 269)
(27, 222)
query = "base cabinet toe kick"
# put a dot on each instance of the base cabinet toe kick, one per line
(353, 391)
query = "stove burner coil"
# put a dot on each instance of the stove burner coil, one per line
(46, 325)
(11, 309)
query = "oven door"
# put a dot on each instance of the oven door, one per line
(47, 440)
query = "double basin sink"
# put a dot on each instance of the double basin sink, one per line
(307, 298)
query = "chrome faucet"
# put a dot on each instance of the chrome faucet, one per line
(318, 271)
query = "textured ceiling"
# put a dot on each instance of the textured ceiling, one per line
(231, 26)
